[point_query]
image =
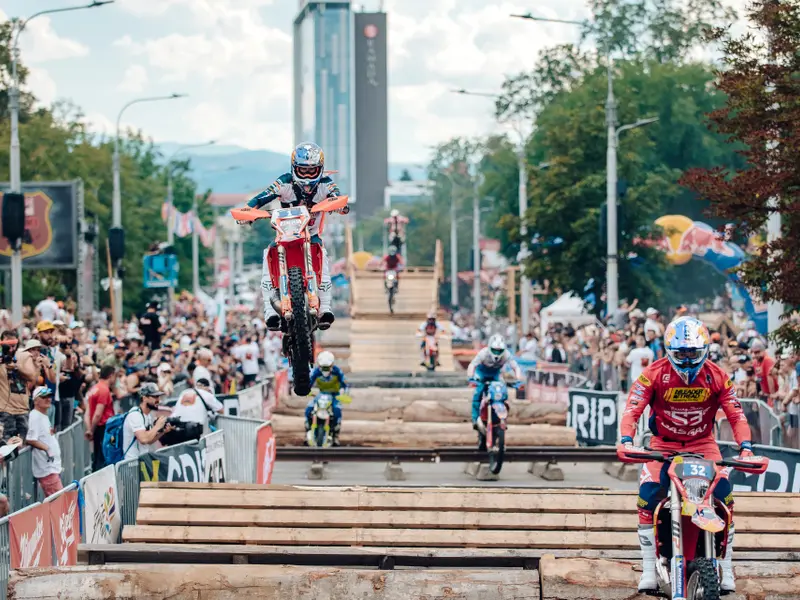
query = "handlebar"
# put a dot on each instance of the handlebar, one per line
(756, 465)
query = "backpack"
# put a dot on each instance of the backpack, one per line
(113, 451)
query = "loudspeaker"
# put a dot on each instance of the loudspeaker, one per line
(116, 243)
(13, 216)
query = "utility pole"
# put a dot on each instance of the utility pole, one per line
(612, 272)
(476, 253)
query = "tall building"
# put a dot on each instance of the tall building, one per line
(323, 84)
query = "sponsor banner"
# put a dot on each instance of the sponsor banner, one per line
(101, 507)
(782, 474)
(265, 454)
(215, 457)
(594, 416)
(66, 525)
(29, 533)
(183, 462)
(550, 386)
(250, 402)
(281, 384)
(51, 219)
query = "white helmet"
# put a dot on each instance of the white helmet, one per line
(394, 213)
(325, 362)
(497, 347)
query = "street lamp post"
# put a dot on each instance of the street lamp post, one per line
(453, 243)
(15, 171)
(116, 204)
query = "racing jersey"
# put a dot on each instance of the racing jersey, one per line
(282, 192)
(396, 225)
(328, 385)
(485, 360)
(426, 329)
(680, 412)
(391, 263)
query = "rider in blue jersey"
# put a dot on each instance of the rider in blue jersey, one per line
(486, 367)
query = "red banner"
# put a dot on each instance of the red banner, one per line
(66, 524)
(265, 455)
(31, 541)
(281, 384)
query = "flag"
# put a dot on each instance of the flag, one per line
(219, 325)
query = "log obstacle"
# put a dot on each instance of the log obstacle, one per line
(290, 431)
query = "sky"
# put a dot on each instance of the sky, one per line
(234, 60)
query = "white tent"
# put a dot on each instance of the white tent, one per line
(568, 309)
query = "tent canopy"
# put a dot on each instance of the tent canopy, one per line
(568, 309)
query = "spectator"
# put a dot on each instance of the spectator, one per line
(46, 456)
(117, 359)
(247, 355)
(763, 364)
(164, 383)
(203, 368)
(619, 318)
(639, 358)
(68, 389)
(15, 378)
(99, 409)
(150, 324)
(195, 404)
(139, 432)
(47, 309)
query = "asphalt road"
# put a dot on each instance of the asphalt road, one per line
(445, 474)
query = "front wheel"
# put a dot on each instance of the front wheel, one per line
(703, 582)
(320, 436)
(391, 300)
(498, 450)
(302, 351)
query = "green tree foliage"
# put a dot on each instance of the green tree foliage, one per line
(56, 145)
(762, 114)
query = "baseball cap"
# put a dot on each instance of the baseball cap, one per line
(41, 392)
(44, 326)
(150, 389)
(651, 312)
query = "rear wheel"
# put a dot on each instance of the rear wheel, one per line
(301, 348)
(703, 582)
(498, 450)
(319, 435)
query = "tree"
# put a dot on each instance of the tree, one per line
(762, 115)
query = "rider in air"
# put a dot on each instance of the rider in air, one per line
(429, 327)
(396, 227)
(486, 367)
(307, 185)
(328, 379)
(393, 262)
(684, 391)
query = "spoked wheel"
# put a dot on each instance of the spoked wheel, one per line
(497, 451)
(319, 436)
(300, 327)
(391, 301)
(703, 582)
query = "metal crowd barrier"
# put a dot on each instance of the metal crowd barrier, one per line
(21, 484)
(127, 472)
(240, 443)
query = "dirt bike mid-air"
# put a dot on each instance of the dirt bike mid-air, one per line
(390, 283)
(492, 431)
(691, 526)
(295, 264)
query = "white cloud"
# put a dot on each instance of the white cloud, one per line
(134, 79)
(40, 43)
(204, 12)
(42, 85)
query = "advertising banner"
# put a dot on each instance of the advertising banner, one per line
(66, 525)
(29, 533)
(250, 401)
(549, 385)
(101, 507)
(782, 475)
(265, 454)
(215, 457)
(51, 219)
(594, 416)
(184, 462)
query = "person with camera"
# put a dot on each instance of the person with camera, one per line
(198, 404)
(15, 378)
(68, 389)
(141, 431)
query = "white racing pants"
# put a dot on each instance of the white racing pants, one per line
(269, 292)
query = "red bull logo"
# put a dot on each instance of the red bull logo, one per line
(685, 238)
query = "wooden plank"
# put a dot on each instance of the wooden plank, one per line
(204, 496)
(442, 538)
(241, 517)
(226, 582)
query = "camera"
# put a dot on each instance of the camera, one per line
(184, 431)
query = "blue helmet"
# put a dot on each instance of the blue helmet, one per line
(686, 341)
(308, 163)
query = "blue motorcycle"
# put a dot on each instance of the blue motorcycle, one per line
(492, 431)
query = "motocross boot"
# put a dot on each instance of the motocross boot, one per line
(647, 544)
(336, 429)
(326, 317)
(309, 435)
(727, 584)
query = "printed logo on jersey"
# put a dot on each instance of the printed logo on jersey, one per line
(665, 378)
(643, 380)
(728, 384)
(687, 394)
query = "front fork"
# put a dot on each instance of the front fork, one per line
(678, 566)
(311, 282)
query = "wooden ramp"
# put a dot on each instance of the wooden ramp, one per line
(445, 518)
(381, 341)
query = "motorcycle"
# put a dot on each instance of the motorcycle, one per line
(431, 352)
(696, 523)
(296, 267)
(492, 431)
(390, 283)
(319, 434)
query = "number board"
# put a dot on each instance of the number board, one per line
(286, 213)
(695, 468)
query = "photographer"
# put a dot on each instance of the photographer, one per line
(17, 372)
(140, 433)
(197, 404)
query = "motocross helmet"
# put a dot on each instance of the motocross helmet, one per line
(325, 363)
(308, 162)
(686, 342)
(497, 347)
(392, 251)
(394, 213)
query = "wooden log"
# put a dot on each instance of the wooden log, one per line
(230, 582)
(439, 405)
(290, 431)
(598, 579)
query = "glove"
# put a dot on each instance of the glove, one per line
(473, 382)
(625, 445)
(245, 222)
(345, 210)
(745, 450)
